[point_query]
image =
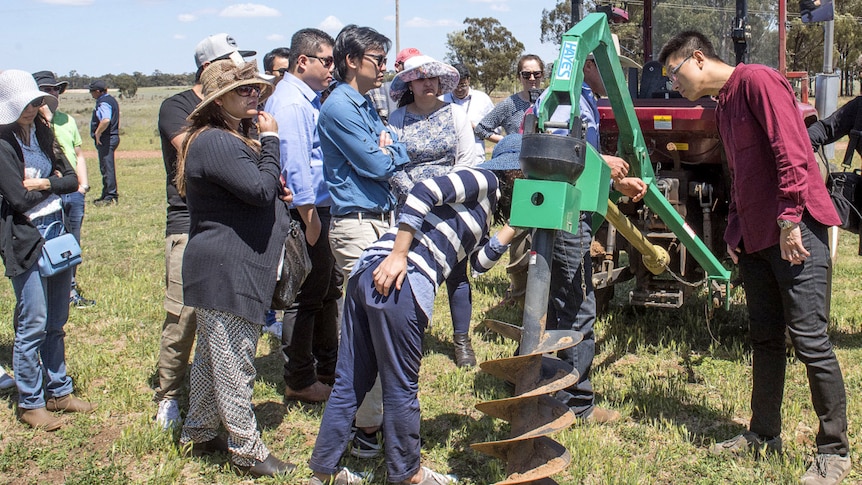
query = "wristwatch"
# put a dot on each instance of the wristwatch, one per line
(85, 187)
(785, 224)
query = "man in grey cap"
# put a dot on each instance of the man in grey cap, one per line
(105, 131)
(178, 331)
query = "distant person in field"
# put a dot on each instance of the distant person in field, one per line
(387, 309)
(105, 131)
(237, 230)
(69, 139)
(178, 330)
(380, 96)
(475, 102)
(310, 326)
(359, 156)
(439, 137)
(776, 233)
(33, 175)
(275, 63)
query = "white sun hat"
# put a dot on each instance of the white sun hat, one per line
(17, 90)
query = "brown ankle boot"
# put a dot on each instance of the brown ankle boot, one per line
(69, 404)
(39, 418)
(464, 355)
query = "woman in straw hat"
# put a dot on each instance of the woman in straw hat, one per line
(438, 136)
(237, 229)
(33, 172)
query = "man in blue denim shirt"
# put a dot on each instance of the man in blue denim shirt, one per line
(359, 157)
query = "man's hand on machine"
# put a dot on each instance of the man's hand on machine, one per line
(619, 167)
(632, 187)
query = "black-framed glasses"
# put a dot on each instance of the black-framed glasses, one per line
(37, 103)
(671, 73)
(532, 74)
(248, 90)
(49, 89)
(379, 59)
(327, 61)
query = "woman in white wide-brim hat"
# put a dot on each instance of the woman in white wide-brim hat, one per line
(33, 172)
(439, 137)
(236, 237)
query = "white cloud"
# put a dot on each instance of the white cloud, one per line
(179, 36)
(275, 37)
(419, 22)
(249, 10)
(187, 17)
(500, 7)
(389, 18)
(331, 24)
(72, 3)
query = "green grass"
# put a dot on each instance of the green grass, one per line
(678, 387)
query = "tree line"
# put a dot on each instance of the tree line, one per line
(128, 84)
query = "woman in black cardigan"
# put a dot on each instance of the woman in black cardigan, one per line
(33, 171)
(238, 226)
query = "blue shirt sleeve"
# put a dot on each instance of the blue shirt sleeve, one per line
(103, 111)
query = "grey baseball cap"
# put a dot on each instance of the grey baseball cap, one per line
(218, 46)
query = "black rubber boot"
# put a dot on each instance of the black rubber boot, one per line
(464, 355)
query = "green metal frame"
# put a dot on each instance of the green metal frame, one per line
(592, 35)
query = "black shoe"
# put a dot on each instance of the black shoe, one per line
(267, 468)
(464, 355)
(211, 447)
(106, 202)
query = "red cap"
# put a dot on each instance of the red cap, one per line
(407, 53)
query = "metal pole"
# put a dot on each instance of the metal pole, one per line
(782, 37)
(397, 27)
(828, 41)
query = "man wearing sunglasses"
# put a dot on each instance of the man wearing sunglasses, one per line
(776, 233)
(69, 139)
(105, 131)
(310, 329)
(275, 63)
(178, 330)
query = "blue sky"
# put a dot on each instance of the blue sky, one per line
(95, 37)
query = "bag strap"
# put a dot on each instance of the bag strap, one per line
(853, 145)
(48, 229)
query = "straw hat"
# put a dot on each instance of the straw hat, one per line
(423, 67)
(225, 75)
(17, 90)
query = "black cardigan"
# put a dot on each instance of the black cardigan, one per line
(20, 241)
(237, 224)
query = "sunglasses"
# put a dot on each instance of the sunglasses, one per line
(248, 90)
(37, 103)
(49, 89)
(532, 74)
(326, 61)
(281, 71)
(379, 59)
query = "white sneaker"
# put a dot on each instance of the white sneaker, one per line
(6, 381)
(274, 329)
(169, 413)
(430, 477)
(345, 477)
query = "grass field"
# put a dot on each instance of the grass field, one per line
(680, 382)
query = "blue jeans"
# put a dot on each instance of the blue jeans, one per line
(73, 206)
(572, 306)
(378, 335)
(460, 298)
(39, 352)
(781, 296)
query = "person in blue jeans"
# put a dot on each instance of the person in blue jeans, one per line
(69, 138)
(32, 177)
(388, 306)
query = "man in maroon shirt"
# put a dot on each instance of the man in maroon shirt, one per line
(776, 232)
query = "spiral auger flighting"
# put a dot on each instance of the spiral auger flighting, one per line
(531, 455)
